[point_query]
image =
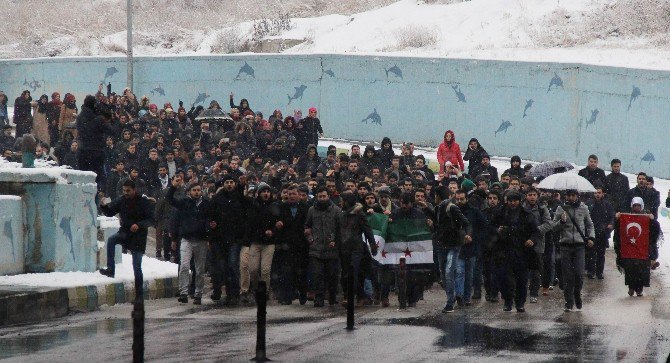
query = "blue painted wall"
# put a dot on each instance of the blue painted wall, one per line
(11, 235)
(576, 109)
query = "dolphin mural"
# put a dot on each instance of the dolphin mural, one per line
(503, 127)
(246, 69)
(373, 118)
(299, 91)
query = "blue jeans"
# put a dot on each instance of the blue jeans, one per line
(226, 268)
(469, 265)
(451, 271)
(119, 239)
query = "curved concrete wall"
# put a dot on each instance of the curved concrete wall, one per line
(540, 111)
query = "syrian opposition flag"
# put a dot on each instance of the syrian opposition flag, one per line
(634, 236)
(408, 238)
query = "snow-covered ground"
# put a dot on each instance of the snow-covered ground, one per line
(626, 33)
(151, 268)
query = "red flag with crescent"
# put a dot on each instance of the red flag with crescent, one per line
(634, 236)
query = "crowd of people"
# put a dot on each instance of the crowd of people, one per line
(247, 198)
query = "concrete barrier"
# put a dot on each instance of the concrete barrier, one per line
(11, 235)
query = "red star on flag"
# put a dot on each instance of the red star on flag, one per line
(408, 252)
(383, 254)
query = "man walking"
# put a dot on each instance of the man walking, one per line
(602, 215)
(135, 217)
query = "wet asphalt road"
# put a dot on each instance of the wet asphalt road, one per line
(611, 327)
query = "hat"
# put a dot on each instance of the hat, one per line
(384, 191)
(637, 200)
(262, 186)
(283, 162)
(227, 177)
(571, 192)
(467, 185)
(312, 109)
(513, 195)
(153, 105)
(303, 188)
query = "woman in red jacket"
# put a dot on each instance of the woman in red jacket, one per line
(449, 151)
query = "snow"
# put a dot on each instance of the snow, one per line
(151, 268)
(624, 33)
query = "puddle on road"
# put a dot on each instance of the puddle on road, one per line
(558, 340)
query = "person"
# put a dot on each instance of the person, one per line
(264, 212)
(449, 151)
(517, 235)
(293, 248)
(4, 116)
(617, 186)
(68, 113)
(7, 141)
(650, 197)
(545, 224)
(515, 169)
(40, 127)
(194, 222)
(494, 207)
(451, 229)
(229, 212)
(322, 228)
(470, 251)
(602, 215)
(23, 119)
(485, 169)
(474, 155)
(592, 172)
(92, 126)
(637, 271)
(135, 217)
(577, 231)
(310, 127)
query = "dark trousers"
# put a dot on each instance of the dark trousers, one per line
(94, 160)
(292, 268)
(572, 266)
(489, 275)
(536, 276)
(416, 281)
(512, 274)
(353, 259)
(226, 268)
(387, 278)
(595, 257)
(120, 239)
(548, 267)
(325, 274)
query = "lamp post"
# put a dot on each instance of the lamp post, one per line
(129, 46)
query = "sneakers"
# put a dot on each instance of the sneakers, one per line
(232, 300)
(459, 301)
(183, 298)
(216, 296)
(654, 264)
(494, 299)
(244, 298)
(567, 308)
(638, 292)
(533, 300)
(318, 302)
(107, 272)
(600, 276)
(631, 292)
(578, 302)
(448, 309)
(477, 296)
(385, 303)
(591, 276)
(197, 301)
(468, 303)
(521, 310)
(507, 308)
(158, 254)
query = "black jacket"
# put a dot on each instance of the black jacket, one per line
(602, 215)
(230, 212)
(138, 210)
(311, 128)
(480, 228)
(92, 130)
(518, 226)
(595, 176)
(264, 216)
(617, 188)
(291, 237)
(192, 218)
(448, 225)
(474, 157)
(650, 197)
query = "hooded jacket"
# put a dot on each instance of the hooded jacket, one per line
(386, 155)
(92, 129)
(450, 152)
(307, 164)
(264, 215)
(354, 225)
(325, 226)
(474, 157)
(512, 171)
(544, 221)
(370, 162)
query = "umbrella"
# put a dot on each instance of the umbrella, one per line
(212, 115)
(565, 181)
(550, 167)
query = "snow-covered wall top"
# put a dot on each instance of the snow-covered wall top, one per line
(540, 111)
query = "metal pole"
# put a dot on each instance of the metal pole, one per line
(138, 331)
(261, 322)
(350, 297)
(402, 283)
(129, 45)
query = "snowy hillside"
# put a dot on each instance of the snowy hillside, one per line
(629, 33)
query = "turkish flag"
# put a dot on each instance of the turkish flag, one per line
(634, 236)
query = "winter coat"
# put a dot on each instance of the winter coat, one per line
(595, 176)
(474, 157)
(291, 237)
(480, 227)
(651, 198)
(638, 272)
(512, 171)
(22, 109)
(230, 212)
(193, 217)
(353, 225)
(449, 224)
(138, 210)
(386, 155)
(602, 214)
(570, 235)
(617, 186)
(308, 165)
(41, 125)
(264, 215)
(518, 226)
(480, 169)
(544, 223)
(325, 226)
(67, 117)
(450, 152)
(311, 128)
(7, 142)
(92, 130)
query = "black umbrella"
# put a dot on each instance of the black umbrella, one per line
(212, 114)
(550, 167)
